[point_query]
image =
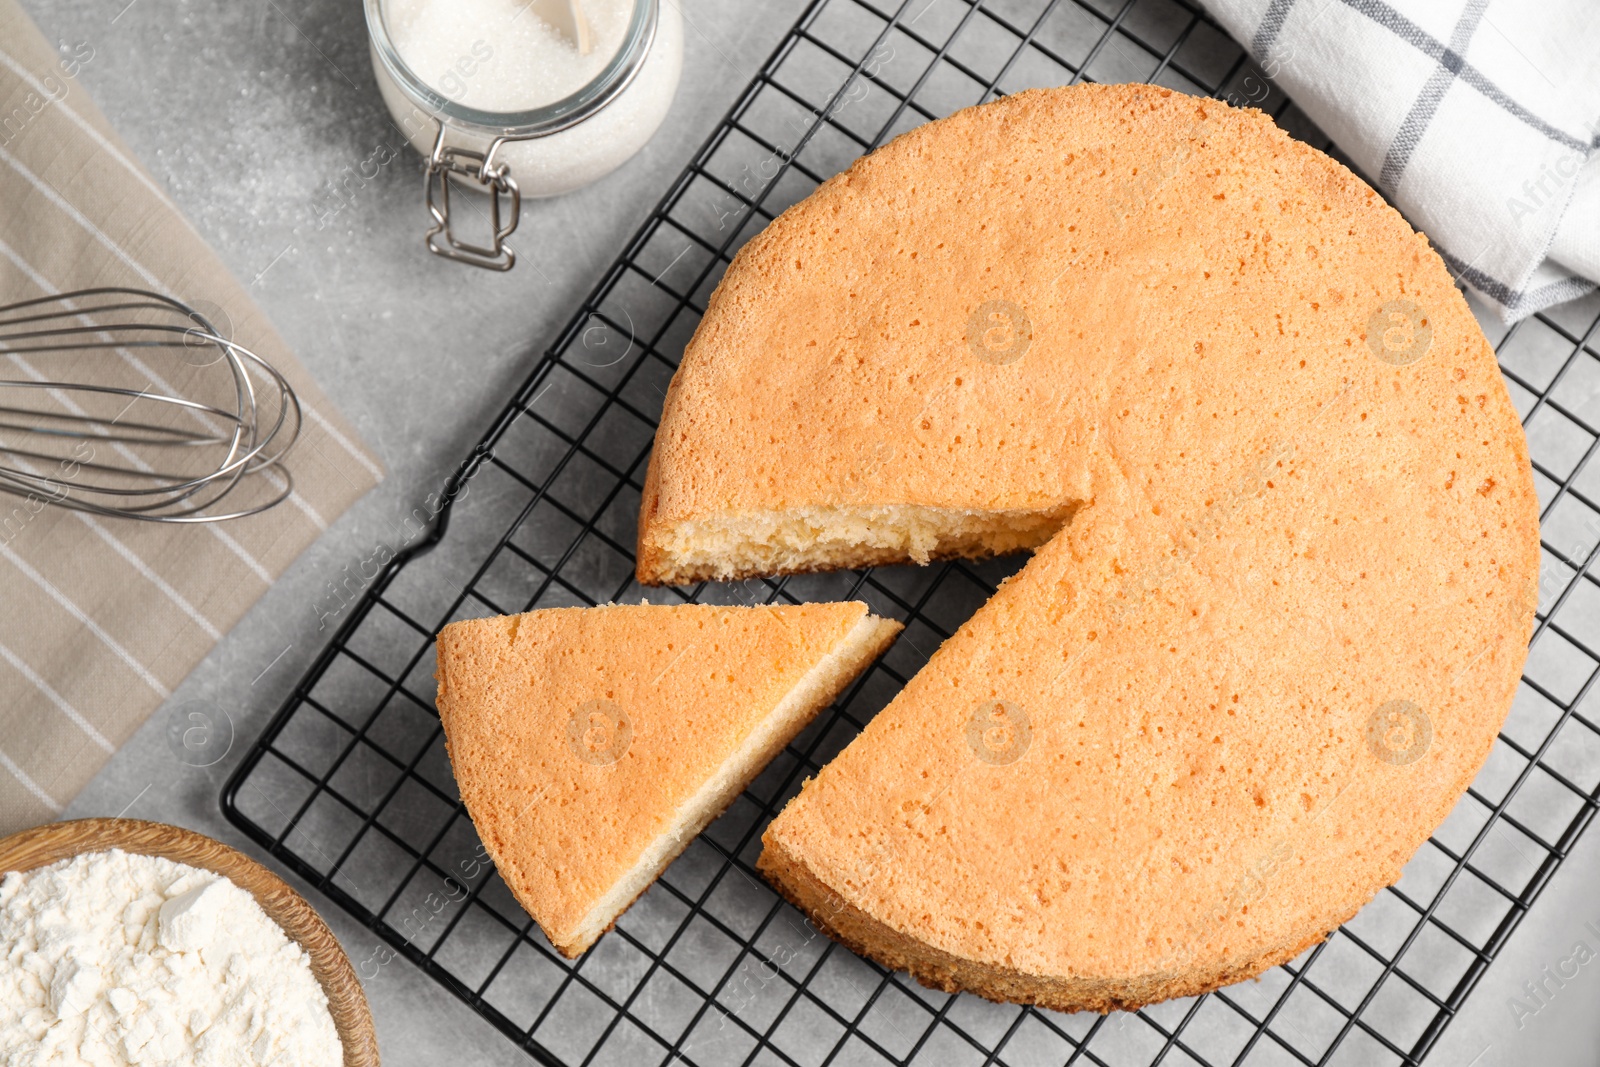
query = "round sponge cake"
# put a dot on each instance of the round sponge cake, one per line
(1289, 601)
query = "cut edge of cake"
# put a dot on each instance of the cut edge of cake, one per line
(731, 546)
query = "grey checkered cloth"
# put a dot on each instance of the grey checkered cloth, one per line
(1479, 119)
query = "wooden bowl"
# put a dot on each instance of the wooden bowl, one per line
(44, 845)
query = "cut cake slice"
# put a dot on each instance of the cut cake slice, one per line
(591, 745)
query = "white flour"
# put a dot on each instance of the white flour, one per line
(111, 958)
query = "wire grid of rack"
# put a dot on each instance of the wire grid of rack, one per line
(349, 785)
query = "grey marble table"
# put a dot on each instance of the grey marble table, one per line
(250, 114)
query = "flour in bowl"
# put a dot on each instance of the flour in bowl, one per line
(111, 958)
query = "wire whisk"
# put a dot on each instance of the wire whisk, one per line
(135, 405)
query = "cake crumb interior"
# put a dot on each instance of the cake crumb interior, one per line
(743, 544)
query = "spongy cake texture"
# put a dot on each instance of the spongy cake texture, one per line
(1289, 606)
(590, 745)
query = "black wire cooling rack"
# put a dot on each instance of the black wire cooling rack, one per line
(350, 787)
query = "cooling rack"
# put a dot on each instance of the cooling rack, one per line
(350, 786)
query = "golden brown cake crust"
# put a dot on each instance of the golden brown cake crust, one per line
(1277, 637)
(580, 736)
(861, 933)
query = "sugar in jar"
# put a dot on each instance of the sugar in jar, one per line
(501, 102)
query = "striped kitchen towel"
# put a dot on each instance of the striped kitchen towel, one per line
(1479, 119)
(101, 618)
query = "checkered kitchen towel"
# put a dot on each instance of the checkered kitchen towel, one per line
(1479, 119)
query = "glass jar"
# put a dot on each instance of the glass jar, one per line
(543, 151)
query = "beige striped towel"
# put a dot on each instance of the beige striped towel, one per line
(101, 618)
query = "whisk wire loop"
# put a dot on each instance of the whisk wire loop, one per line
(187, 448)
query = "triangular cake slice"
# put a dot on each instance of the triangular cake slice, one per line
(591, 745)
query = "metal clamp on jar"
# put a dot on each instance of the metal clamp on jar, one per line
(524, 139)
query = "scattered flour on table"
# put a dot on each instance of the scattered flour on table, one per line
(110, 958)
